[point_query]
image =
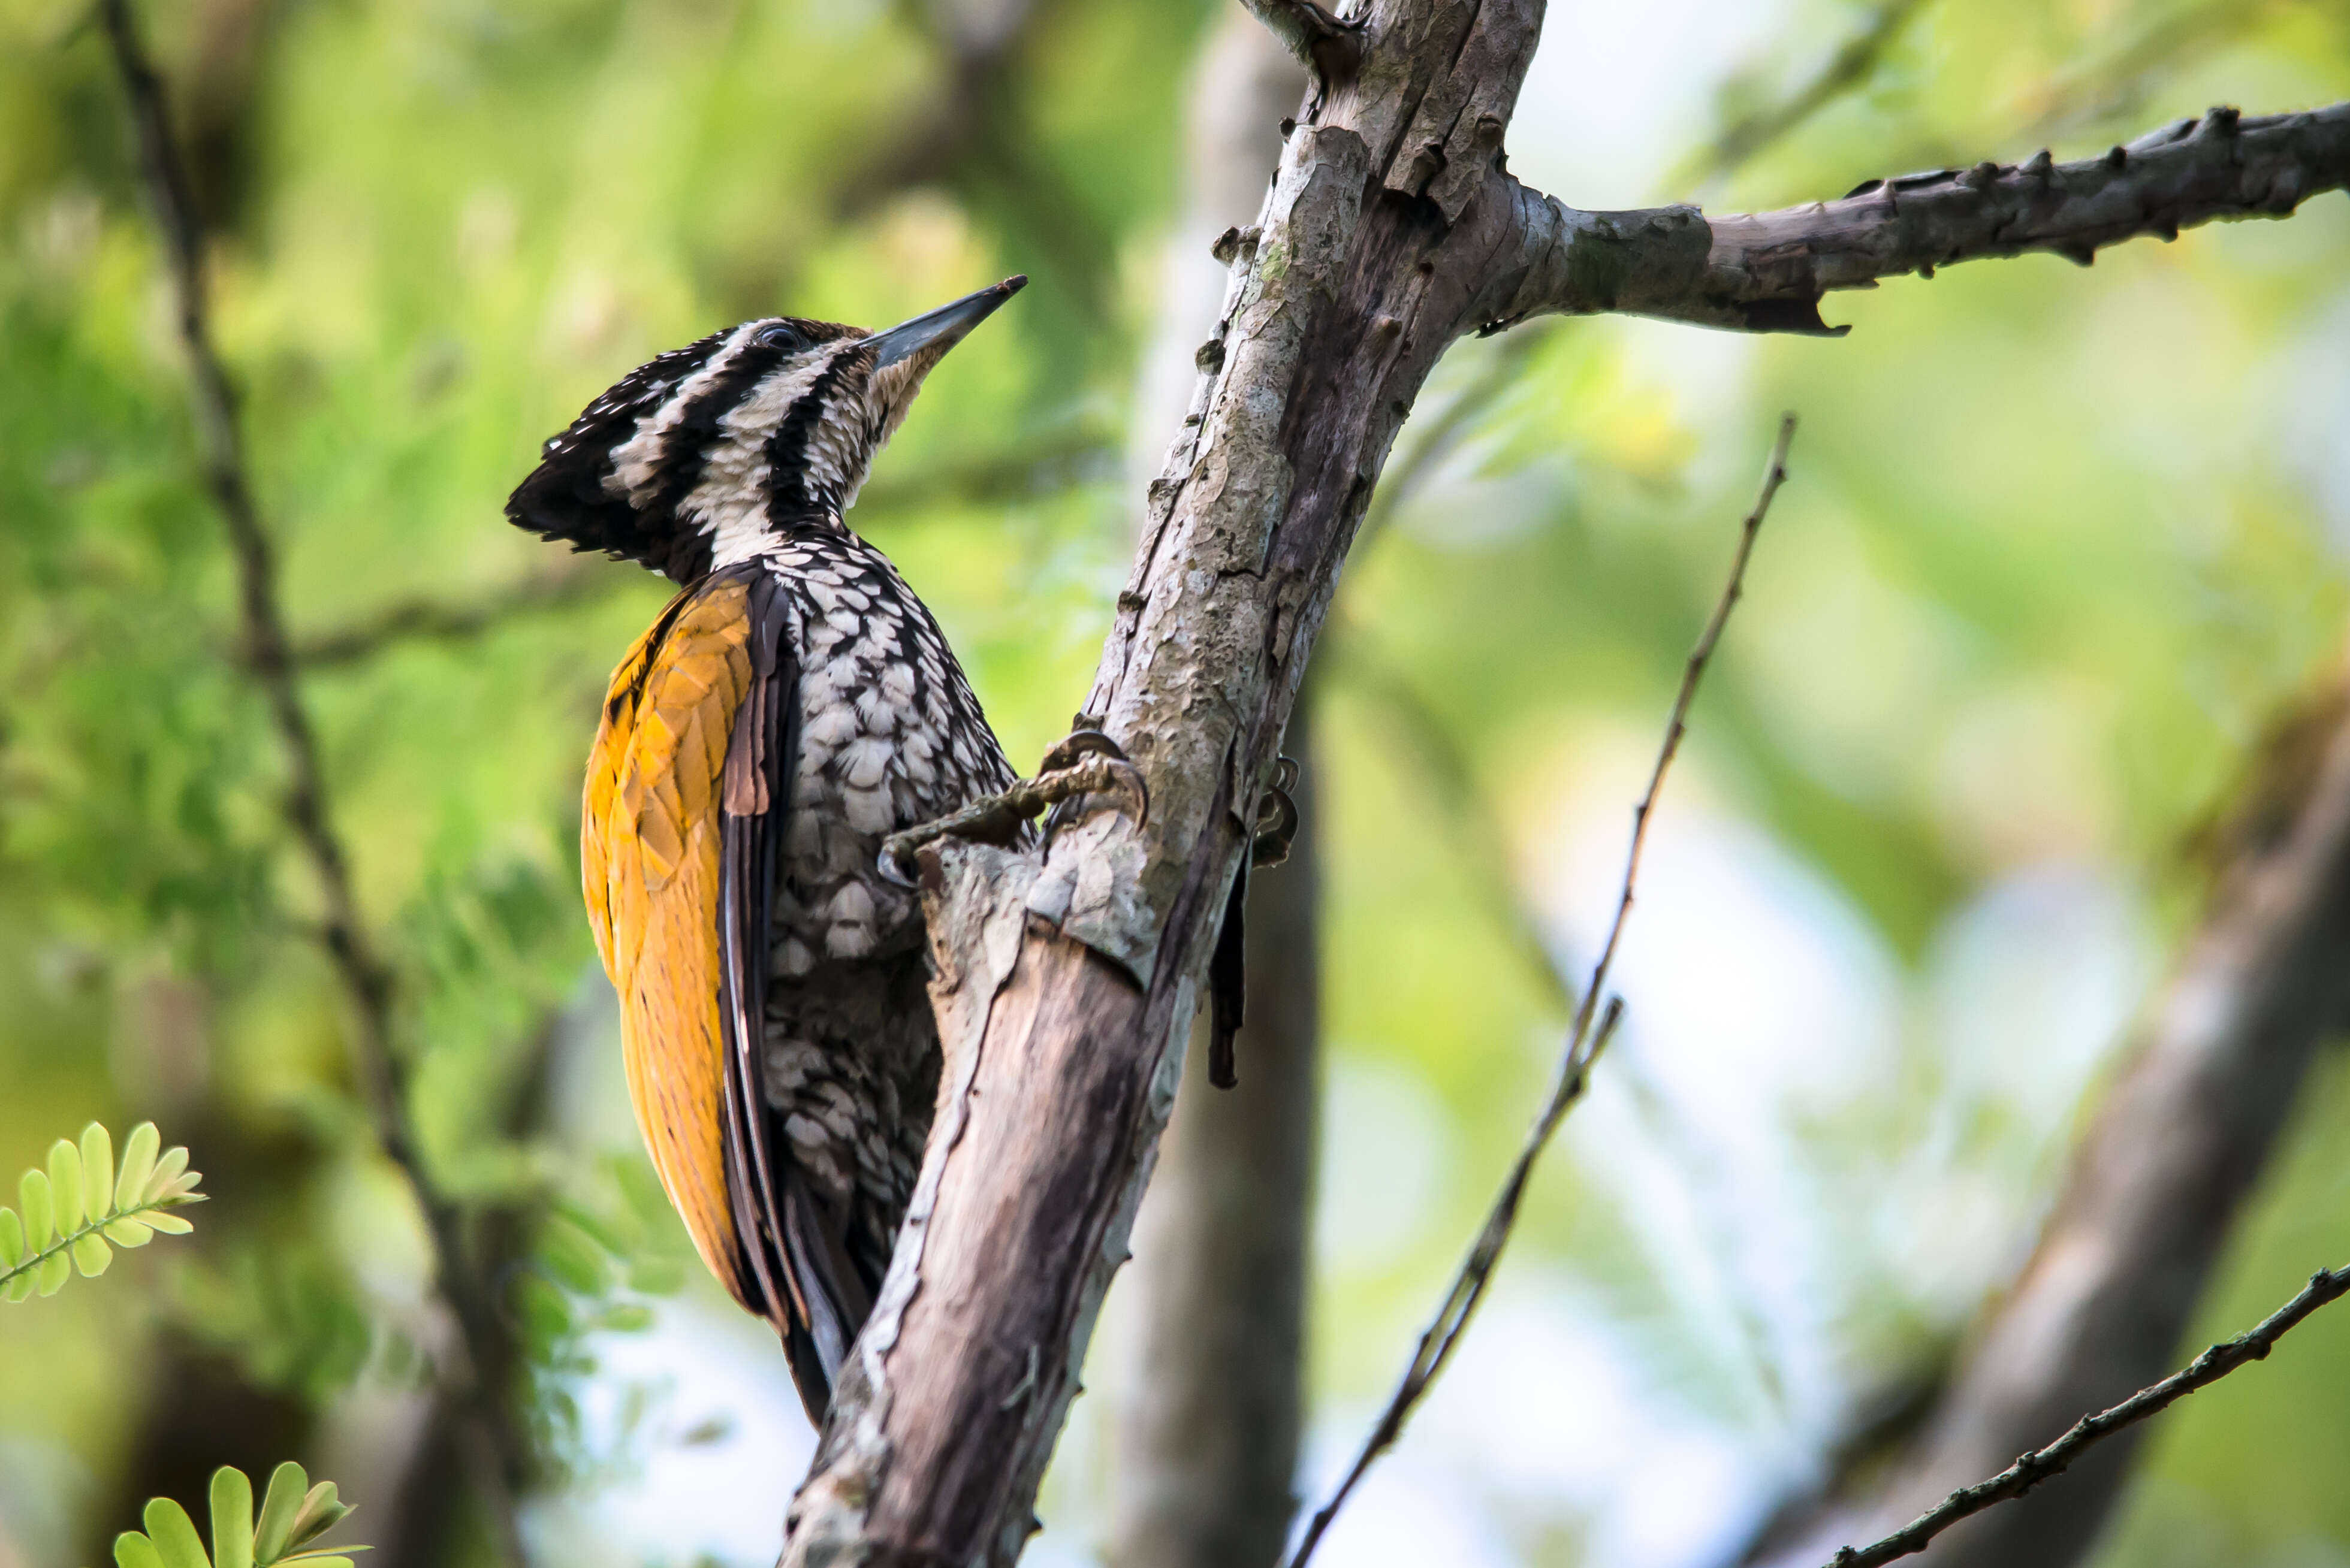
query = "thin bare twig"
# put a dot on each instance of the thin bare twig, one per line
(1584, 1046)
(1453, 783)
(267, 657)
(2033, 1467)
(427, 620)
(1056, 460)
(1732, 591)
(1848, 68)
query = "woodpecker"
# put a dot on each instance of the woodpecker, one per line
(792, 706)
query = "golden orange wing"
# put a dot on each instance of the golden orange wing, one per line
(649, 840)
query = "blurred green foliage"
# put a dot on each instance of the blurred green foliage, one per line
(2056, 544)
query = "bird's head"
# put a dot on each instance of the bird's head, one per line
(698, 458)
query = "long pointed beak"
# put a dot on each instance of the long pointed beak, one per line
(944, 326)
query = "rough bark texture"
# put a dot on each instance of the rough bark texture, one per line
(1208, 1426)
(2176, 1146)
(1766, 271)
(1067, 982)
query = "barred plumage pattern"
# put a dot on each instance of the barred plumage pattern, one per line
(794, 706)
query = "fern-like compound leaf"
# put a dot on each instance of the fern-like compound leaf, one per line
(81, 1204)
(292, 1513)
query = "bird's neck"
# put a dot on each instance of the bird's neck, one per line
(776, 535)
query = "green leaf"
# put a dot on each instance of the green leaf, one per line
(133, 1550)
(322, 1509)
(138, 1164)
(98, 1170)
(11, 1239)
(91, 1254)
(232, 1518)
(280, 1506)
(174, 1534)
(130, 1233)
(167, 1171)
(40, 1217)
(657, 1276)
(20, 1287)
(55, 1271)
(183, 1190)
(170, 1224)
(572, 1256)
(65, 1186)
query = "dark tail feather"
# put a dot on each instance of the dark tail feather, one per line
(831, 1297)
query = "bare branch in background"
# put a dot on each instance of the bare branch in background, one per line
(1446, 768)
(2120, 81)
(1582, 1046)
(438, 620)
(1766, 272)
(2153, 1190)
(1055, 462)
(367, 982)
(1849, 67)
(2041, 1464)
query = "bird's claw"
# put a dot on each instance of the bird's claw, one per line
(1276, 817)
(1086, 761)
(1083, 763)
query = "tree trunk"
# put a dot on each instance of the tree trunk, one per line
(1066, 981)
(2154, 1189)
(1208, 1426)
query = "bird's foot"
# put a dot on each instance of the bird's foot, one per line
(1083, 763)
(1276, 817)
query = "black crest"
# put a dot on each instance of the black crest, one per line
(567, 497)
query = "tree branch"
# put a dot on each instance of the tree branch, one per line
(430, 620)
(367, 981)
(1766, 272)
(2033, 1467)
(1582, 1046)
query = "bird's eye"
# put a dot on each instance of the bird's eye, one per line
(779, 335)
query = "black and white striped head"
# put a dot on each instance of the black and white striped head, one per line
(701, 458)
